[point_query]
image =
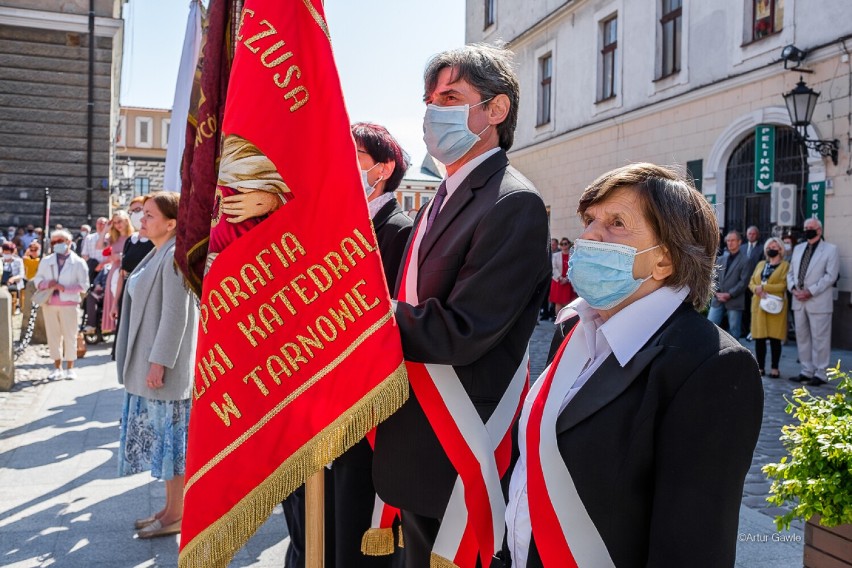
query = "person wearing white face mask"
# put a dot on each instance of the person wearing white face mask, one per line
(476, 270)
(67, 276)
(134, 250)
(648, 412)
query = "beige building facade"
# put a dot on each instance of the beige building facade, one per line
(141, 141)
(606, 83)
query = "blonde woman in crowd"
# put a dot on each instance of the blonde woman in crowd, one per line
(769, 278)
(115, 234)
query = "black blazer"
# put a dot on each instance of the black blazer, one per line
(484, 268)
(393, 228)
(659, 450)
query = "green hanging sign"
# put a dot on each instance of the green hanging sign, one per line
(764, 158)
(816, 201)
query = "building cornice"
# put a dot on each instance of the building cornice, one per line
(834, 49)
(105, 27)
(568, 7)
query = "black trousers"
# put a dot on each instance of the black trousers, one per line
(419, 534)
(760, 352)
(349, 500)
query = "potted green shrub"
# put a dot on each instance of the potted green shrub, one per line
(815, 479)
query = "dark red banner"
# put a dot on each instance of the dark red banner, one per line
(298, 352)
(201, 152)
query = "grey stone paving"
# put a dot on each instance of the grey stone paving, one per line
(61, 503)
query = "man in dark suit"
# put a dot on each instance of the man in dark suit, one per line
(648, 412)
(753, 249)
(732, 279)
(475, 272)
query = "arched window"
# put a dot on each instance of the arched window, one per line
(744, 207)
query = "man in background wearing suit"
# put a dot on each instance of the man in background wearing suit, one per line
(753, 250)
(732, 278)
(813, 272)
(474, 275)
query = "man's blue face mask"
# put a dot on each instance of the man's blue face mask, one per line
(446, 133)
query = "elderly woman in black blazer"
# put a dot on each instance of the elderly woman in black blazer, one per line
(636, 440)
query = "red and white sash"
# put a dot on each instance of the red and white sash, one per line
(473, 524)
(564, 533)
(378, 539)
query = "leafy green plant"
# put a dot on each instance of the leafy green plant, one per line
(816, 478)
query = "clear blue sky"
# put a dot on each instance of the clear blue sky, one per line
(381, 48)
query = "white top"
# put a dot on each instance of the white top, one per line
(88, 248)
(133, 279)
(623, 334)
(379, 202)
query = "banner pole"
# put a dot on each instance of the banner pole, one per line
(315, 514)
(315, 520)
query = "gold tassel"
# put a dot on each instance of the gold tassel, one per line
(215, 546)
(438, 561)
(401, 540)
(377, 542)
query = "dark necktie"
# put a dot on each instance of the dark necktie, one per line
(436, 206)
(803, 267)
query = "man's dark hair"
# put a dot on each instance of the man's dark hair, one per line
(488, 69)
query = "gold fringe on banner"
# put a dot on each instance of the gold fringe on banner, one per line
(377, 542)
(216, 545)
(438, 561)
(401, 540)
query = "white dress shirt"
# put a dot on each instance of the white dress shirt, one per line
(455, 180)
(623, 335)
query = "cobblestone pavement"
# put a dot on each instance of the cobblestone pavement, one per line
(62, 504)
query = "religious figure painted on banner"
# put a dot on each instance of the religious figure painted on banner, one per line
(249, 189)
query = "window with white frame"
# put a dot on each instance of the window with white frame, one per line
(545, 79)
(670, 24)
(609, 59)
(490, 13)
(165, 125)
(767, 18)
(144, 132)
(141, 186)
(407, 202)
(121, 131)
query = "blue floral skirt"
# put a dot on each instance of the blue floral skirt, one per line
(153, 436)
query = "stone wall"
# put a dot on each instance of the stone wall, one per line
(43, 125)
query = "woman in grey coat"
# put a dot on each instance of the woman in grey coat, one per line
(155, 352)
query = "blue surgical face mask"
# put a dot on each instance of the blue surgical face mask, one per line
(602, 273)
(368, 189)
(446, 133)
(60, 248)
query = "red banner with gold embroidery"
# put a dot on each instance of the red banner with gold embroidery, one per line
(298, 352)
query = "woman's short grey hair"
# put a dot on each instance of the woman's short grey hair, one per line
(488, 69)
(60, 233)
(775, 240)
(680, 216)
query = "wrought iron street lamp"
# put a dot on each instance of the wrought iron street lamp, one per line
(801, 102)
